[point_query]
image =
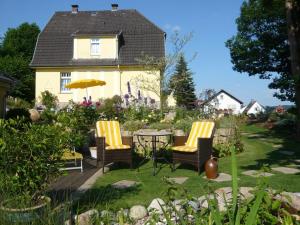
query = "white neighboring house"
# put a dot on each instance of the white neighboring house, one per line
(253, 108)
(223, 101)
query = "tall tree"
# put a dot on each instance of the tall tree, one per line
(262, 47)
(293, 22)
(16, 52)
(159, 69)
(182, 85)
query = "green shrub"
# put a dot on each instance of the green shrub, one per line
(29, 157)
(18, 113)
(133, 125)
(13, 103)
(49, 100)
(161, 126)
(184, 124)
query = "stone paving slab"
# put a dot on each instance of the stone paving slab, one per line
(287, 152)
(297, 160)
(222, 177)
(257, 173)
(178, 180)
(286, 170)
(123, 184)
(277, 145)
(255, 136)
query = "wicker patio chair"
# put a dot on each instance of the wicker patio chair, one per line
(111, 147)
(195, 149)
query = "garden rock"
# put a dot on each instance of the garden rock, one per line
(178, 180)
(137, 212)
(177, 204)
(289, 153)
(195, 205)
(86, 217)
(286, 170)
(222, 177)
(292, 198)
(105, 213)
(224, 195)
(124, 184)
(257, 173)
(156, 206)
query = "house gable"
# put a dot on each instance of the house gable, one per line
(224, 100)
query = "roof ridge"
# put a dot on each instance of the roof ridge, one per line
(90, 11)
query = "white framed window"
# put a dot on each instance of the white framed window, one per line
(65, 78)
(95, 46)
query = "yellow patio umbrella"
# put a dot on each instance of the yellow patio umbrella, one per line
(85, 83)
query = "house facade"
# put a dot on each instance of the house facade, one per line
(5, 85)
(104, 45)
(254, 108)
(223, 101)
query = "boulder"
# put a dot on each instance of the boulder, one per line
(293, 199)
(137, 212)
(156, 205)
(86, 217)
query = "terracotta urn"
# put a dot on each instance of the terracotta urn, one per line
(211, 168)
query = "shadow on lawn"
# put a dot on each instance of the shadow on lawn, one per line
(101, 197)
(282, 143)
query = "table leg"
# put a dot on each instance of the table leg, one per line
(154, 154)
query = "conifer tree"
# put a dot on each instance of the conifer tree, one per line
(182, 85)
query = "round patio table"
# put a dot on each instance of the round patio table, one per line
(155, 135)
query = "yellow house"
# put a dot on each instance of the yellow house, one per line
(101, 45)
(5, 85)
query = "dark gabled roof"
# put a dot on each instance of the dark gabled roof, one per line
(222, 91)
(137, 34)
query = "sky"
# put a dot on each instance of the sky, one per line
(211, 22)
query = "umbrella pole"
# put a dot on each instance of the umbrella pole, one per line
(87, 97)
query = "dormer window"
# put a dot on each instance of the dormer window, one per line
(95, 46)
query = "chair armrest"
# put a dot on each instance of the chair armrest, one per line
(127, 140)
(100, 143)
(179, 140)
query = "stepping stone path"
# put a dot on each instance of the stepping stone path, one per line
(254, 136)
(277, 145)
(123, 184)
(286, 170)
(287, 152)
(297, 160)
(178, 180)
(222, 177)
(256, 173)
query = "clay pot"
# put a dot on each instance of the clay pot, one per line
(211, 168)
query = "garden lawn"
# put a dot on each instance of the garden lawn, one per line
(261, 151)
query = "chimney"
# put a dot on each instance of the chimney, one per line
(114, 7)
(74, 8)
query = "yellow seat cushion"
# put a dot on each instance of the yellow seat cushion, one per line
(70, 155)
(112, 147)
(184, 148)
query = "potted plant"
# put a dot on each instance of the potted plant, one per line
(29, 159)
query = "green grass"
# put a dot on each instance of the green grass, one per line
(259, 151)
